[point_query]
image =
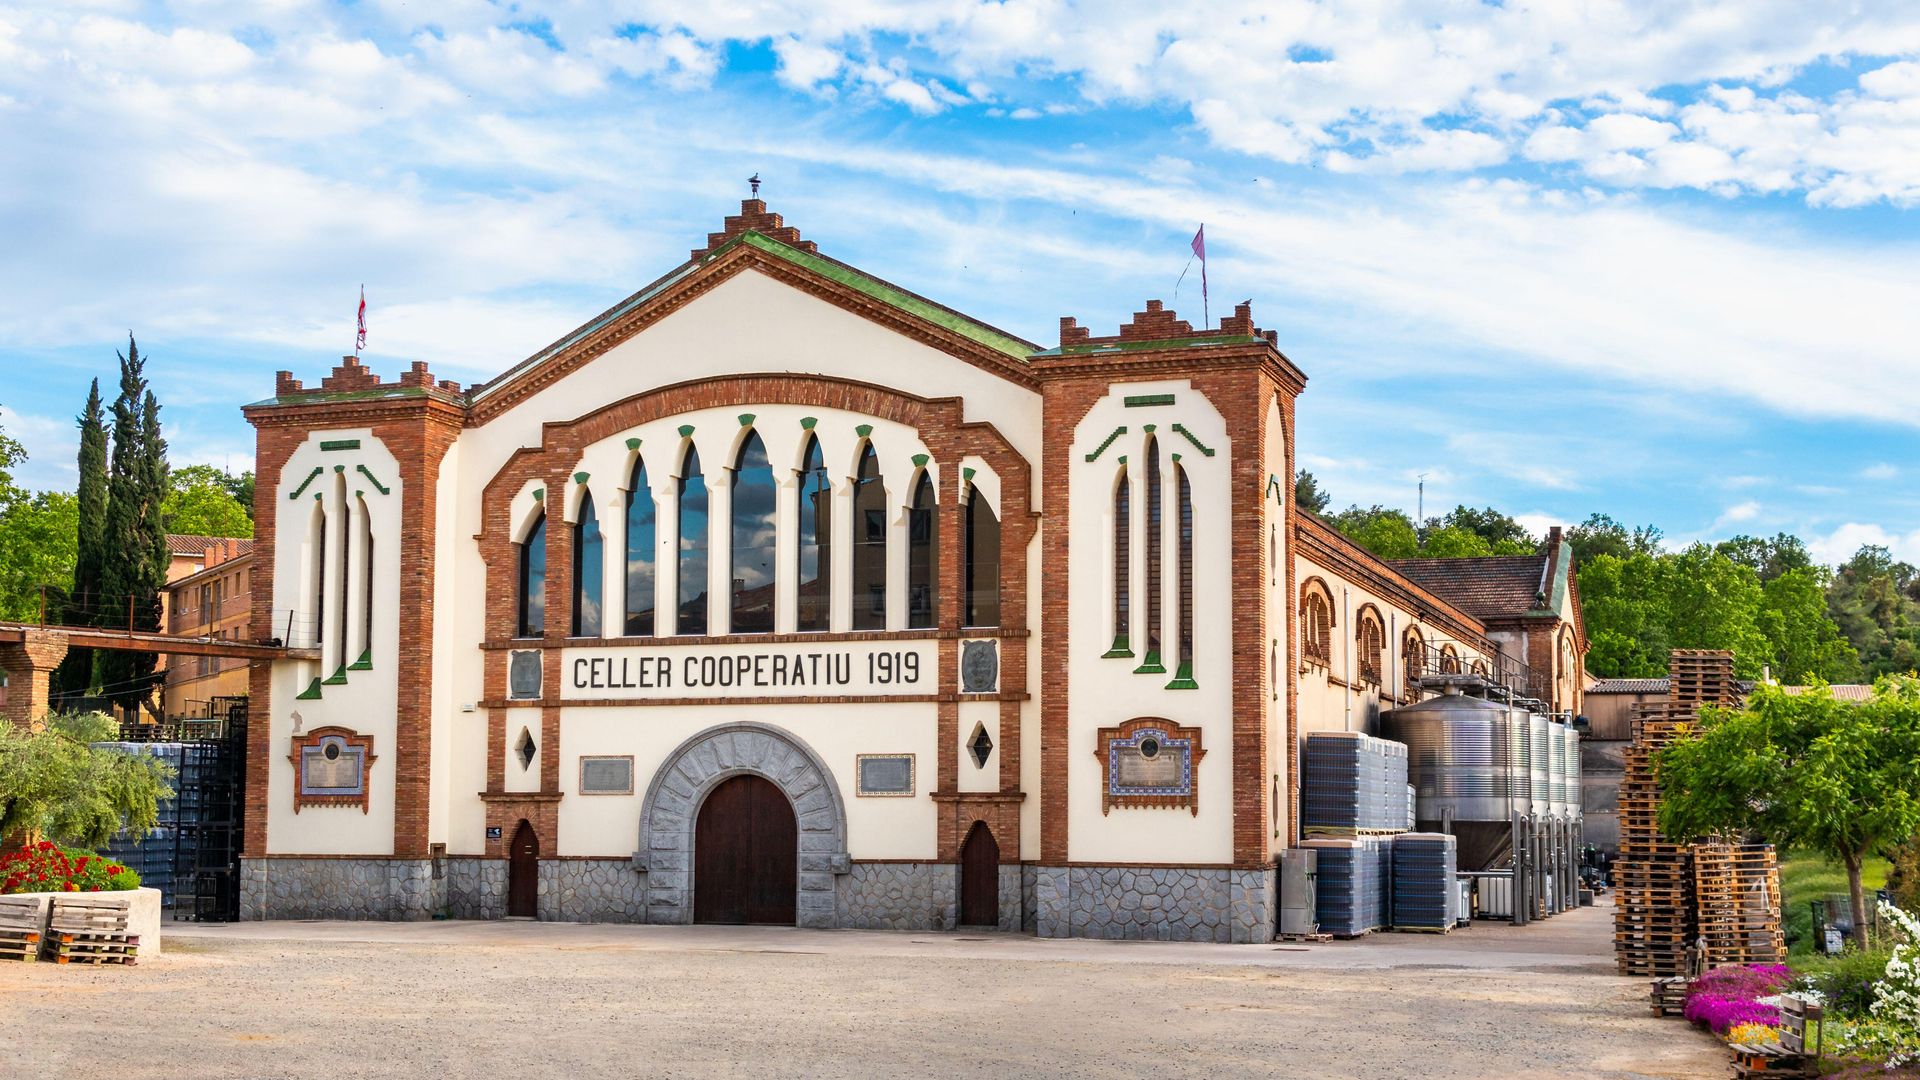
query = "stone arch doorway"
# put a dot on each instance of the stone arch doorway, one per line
(980, 878)
(745, 847)
(697, 768)
(523, 873)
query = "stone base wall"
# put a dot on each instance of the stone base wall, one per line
(1161, 903)
(390, 890)
(476, 888)
(589, 890)
(897, 896)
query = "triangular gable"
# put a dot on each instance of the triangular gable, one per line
(828, 279)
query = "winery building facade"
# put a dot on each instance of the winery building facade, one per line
(778, 593)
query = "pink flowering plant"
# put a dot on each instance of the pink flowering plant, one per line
(1729, 996)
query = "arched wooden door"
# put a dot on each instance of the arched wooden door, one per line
(745, 854)
(980, 878)
(523, 873)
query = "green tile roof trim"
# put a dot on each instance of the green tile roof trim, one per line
(371, 479)
(920, 461)
(633, 444)
(863, 430)
(746, 419)
(966, 473)
(332, 397)
(686, 430)
(579, 478)
(1197, 444)
(539, 494)
(365, 663)
(1141, 401)
(1183, 678)
(807, 422)
(311, 693)
(1102, 448)
(887, 293)
(338, 678)
(340, 444)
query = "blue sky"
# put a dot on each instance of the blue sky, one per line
(1656, 260)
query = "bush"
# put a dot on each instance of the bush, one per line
(1846, 981)
(47, 867)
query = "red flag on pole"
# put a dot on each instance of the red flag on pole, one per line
(1200, 252)
(360, 337)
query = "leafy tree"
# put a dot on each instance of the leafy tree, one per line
(76, 671)
(1804, 770)
(1712, 603)
(135, 534)
(201, 502)
(37, 538)
(1783, 554)
(1387, 533)
(1875, 599)
(1602, 535)
(1806, 643)
(1452, 542)
(1306, 493)
(1623, 600)
(55, 783)
(1496, 528)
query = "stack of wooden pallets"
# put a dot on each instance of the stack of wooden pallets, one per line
(22, 922)
(90, 929)
(1737, 896)
(1654, 921)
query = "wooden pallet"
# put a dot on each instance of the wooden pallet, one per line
(1669, 995)
(1423, 929)
(1314, 938)
(95, 949)
(22, 923)
(1771, 1060)
(90, 929)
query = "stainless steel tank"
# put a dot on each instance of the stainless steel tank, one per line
(1460, 758)
(1559, 742)
(1541, 765)
(1576, 795)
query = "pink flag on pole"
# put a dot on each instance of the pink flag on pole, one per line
(360, 337)
(1200, 252)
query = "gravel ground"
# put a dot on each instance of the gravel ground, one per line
(536, 1000)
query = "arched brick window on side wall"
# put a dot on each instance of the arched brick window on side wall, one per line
(533, 581)
(869, 543)
(1316, 623)
(642, 543)
(1370, 643)
(753, 506)
(1413, 657)
(1449, 660)
(588, 568)
(982, 552)
(815, 555)
(923, 557)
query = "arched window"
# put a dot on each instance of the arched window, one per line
(366, 584)
(1183, 559)
(642, 543)
(1316, 623)
(983, 561)
(1480, 668)
(869, 544)
(753, 509)
(588, 570)
(319, 540)
(693, 546)
(1152, 661)
(1122, 566)
(1370, 639)
(816, 541)
(533, 580)
(1449, 660)
(1413, 655)
(923, 557)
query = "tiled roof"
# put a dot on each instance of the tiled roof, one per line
(1629, 686)
(1487, 587)
(1841, 691)
(186, 544)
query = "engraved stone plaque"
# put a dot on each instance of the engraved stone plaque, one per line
(886, 774)
(1136, 770)
(331, 768)
(523, 674)
(979, 667)
(606, 776)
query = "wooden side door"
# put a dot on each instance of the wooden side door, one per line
(523, 873)
(746, 855)
(980, 878)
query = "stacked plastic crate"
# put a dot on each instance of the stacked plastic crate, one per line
(1425, 873)
(1348, 885)
(1354, 798)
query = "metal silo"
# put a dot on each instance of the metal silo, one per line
(1466, 760)
(1541, 763)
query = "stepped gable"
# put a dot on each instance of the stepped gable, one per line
(755, 217)
(354, 377)
(1158, 323)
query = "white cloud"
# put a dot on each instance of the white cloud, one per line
(1840, 545)
(1736, 514)
(1880, 471)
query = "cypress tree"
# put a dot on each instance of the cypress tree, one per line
(76, 671)
(134, 551)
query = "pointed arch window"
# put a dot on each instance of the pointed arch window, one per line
(533, 580)
(815, 592)
(982, 552)
(1316, 624)
(1370, 641)
(366, 584)
(869, 544)
(692, 558)
(589, 570)
(642, 543)
(1413, 656)
(923, 557)
(1154, 574)
(1449, 660)
(319, 575)
(754, 500)
(1122, 566)
(1183, 583)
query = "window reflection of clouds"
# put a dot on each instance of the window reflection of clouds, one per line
(816, 555)
(642, 538)
(869, 544)
(588, 570)
(693, 546)
(753, 539)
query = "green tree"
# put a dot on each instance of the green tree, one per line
(37, 537)
(1623, 600)
(1602, 535)
(55, 783)
(1387, 533)
(1713, 603)
(1875, 599)
(201, 502)
(76, 671)
(1453, 542)
(135, 534)
(1307, 494)
(1497, 529)
(1806, 644)
(1803, 770)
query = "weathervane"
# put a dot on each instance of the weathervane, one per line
(754, 182)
